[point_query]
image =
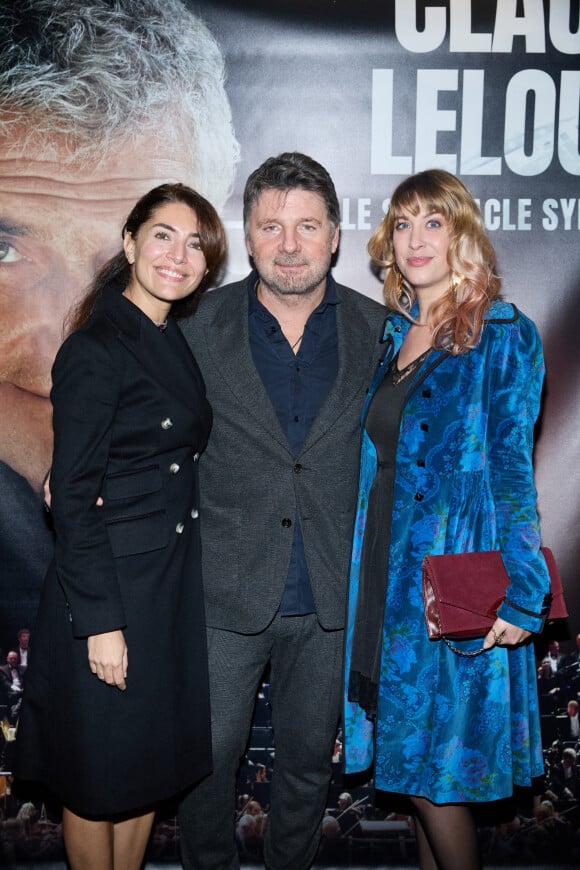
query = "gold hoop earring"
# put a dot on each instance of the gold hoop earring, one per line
(456, 280)
(399, 280)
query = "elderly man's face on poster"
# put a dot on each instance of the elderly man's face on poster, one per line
(58, 224)
(82, 137)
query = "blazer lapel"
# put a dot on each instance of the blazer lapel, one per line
(358, 355)
(229, 347)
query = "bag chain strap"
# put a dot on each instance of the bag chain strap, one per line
(467, 654)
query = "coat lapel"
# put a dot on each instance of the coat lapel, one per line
(396, 328)
(165, 356)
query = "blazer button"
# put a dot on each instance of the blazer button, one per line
(424, 427)
(286, 523)
(194, 514)
(173, 468)
(195, 457)
(421, 463)
(179, 528)
(167, 423)
(418, 496)
(426, 393)
(297, 468)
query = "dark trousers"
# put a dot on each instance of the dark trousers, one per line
(305, 693)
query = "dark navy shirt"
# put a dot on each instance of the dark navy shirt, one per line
(297, 385)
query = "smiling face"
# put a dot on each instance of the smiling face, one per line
(167, 259)
(291, 241)
(421, 245)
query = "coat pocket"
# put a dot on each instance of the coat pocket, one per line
(130, 536)
(135, 513)
(132, 484)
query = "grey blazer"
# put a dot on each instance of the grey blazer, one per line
(252, 487)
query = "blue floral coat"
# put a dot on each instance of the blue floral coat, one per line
(452, 728)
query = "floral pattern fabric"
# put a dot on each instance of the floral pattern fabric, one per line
(451, 728)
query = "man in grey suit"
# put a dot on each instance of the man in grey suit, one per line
(287, 356)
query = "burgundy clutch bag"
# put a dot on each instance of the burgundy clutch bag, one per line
(462, 592)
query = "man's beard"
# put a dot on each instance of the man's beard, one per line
(294, 284)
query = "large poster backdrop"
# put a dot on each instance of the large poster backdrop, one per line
(488, 89)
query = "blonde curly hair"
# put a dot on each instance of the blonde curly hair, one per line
(456, 319)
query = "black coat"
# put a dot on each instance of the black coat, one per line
(130, 418)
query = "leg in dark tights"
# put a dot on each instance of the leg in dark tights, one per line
(446, 836)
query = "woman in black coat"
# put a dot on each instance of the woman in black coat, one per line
(116, 710)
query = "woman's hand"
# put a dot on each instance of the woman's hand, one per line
(108, 657)
(503, 633)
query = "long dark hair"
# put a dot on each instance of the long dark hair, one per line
(117, 270)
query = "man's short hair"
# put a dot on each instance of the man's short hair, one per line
(290, 171)
(96, 72)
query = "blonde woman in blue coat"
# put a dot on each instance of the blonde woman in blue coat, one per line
(446, 467)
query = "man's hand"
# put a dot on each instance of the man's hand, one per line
(48, 495)
(46, 492)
